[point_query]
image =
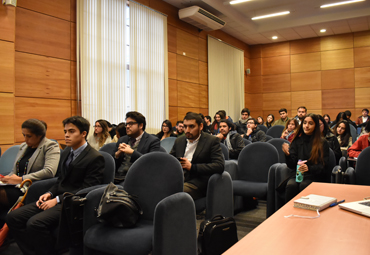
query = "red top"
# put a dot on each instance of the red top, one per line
(356, 148)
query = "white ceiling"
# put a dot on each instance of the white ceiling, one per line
(305, 20)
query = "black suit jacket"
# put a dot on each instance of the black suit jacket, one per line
(148, 143)
(207, 159)
(85, 171)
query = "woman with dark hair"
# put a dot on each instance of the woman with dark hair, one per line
(330, 138)
(290, 130)
(37, 159)
(269, 120)
(101, 135)
(166, 130)
(120, 131)
(343, 133)
(215, 127)
(341, 116)
(327, 119)
(311, 146)
(260, 121)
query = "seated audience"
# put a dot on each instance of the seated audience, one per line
(133, 145)
(37, 159)
(270, 120)
(343, 133)
(363, 119)
(198, 163)
(349, 114)
(100, 136)
(361, 143)
(301, 114)
(260, 121)
(341, 116)
(205, 128)
(215, 127)
(290, 130)
(254, 134)
(327, 119)
(226, 116)
(330, 138)
(228, 136)
(111, 129)
(308, 145)
(208, 121)
(241, 125)
(32, 225)
(283, 117)
(179, 128)
(166, 130)
(120, 131)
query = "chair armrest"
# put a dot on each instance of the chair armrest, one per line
(351, 175)
(38, 188)
(231, 166)
(91, 204)
(343, 163)
(271, 186)
(87, 190)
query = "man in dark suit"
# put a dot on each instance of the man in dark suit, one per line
(133, 145)
(200, 156)
(80, 167)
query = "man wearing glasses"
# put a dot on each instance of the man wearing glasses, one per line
(254, 134)
(131, 146)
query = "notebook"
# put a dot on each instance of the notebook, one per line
(314, 202)
(361, 207)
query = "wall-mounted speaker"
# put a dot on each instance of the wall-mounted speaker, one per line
(248, 71)
(10, 2)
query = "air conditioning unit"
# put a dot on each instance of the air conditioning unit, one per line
(200, 18)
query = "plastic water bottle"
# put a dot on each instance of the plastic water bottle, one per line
(299, 175)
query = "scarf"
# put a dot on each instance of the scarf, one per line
(227, 139)
(243, 121)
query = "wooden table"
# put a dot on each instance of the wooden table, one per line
(336, 231)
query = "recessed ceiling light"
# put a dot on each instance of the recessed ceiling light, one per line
(238, 1)
(323, 30)
(275, 37)
(271, 15)
(340, 3)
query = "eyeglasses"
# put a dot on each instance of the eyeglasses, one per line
(129, 124)
(164, 126)
(97, 126)
(252, 123)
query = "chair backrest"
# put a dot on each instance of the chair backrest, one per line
(109, 169)
(225, 151)
(255, 161)
(353, 133)
(7, 159)
(109, 148)
(246, 141)
(161, 149)
(362, 167)
(275, 131)
(268, 137)
(153, 177)
(167, 143)
(263, 128)
(277, 143)
(332, 164)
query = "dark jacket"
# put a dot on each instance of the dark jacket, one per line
(241, 128)
(256, 136)
(334, 145)
(237, 143)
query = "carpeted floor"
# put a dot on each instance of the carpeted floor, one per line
(245, 221)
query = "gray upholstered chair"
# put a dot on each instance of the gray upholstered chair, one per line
(277, 143)
(225, 151)
(263, 128)
(268, 138)
(353, 133)
(109, 148)
(246, 141)
(161, 149)
(275, 131)
(7, 159)
(168, 142)
(361, 174)
(153, 177)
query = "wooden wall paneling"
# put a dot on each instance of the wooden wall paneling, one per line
(203, 73)
(254, 114)
(247, 64)
(361, 39)
(338, 98)
(172, 92)
(333, 112)
(230, 40)
(181, 112)
(256, 66)
(52, 111)
(253, 84)
(7, 66)
(73, 81)
(315, 111)
(56, 8)
(306, 62)
(172, 38)
(310, 99)
(255, 51)
(203, 96)
(73, 56)
(336, 42)
(172, 71)
(39, 76)
(41, 34)
(74, 110)
(187, 69)
(275, 49)
(276, 65)
(305, 46)
(276, 101)
(337, 59)
(362, 58)
(276, 83)
(7, 23)
(73, 11)
(204, 111)
(362, 97)
(202, 50)
(357, 113)
(187, 44)
(189, 94)
(173, 115)
(306, 81)
(362, 77)
(4, 147)
(253, 101)
(338, 79)
(7, 118)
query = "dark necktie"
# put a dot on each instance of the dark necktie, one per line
(132, 141)
(69, 160)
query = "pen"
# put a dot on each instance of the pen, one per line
(334, 204)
